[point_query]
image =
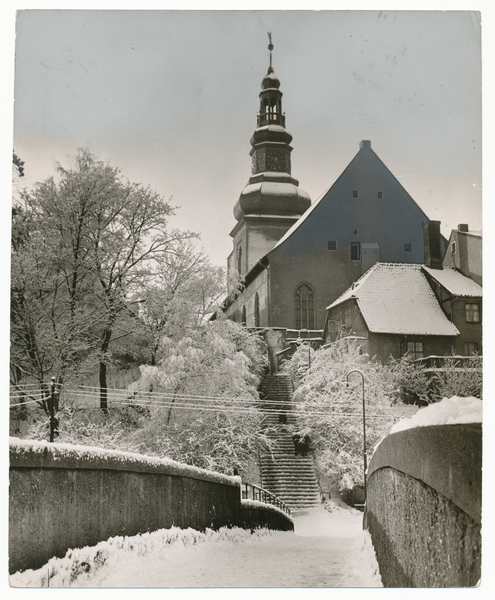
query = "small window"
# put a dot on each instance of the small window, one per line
(354, 194)
(355, 251)
(408, 247)
(332, 245)
(470, 348)
(472, 313)
(453, 249)
(355, 232)
(414, 349)
(380, 195)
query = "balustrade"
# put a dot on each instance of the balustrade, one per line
(253, 492)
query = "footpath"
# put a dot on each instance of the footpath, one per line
(328, 549)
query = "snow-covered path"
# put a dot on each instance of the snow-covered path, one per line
(327, 550)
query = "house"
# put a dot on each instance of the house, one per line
(464, 253)
(399, 308)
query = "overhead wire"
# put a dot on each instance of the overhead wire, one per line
(189, 402)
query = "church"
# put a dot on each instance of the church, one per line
(297, 257)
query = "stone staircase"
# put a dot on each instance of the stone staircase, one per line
(292, 478)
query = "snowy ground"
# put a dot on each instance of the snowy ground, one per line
(327, 549)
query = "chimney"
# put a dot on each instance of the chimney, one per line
(463, 227)
(365, 144)
(433, 255)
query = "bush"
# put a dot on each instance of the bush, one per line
(329, 402)
(458, 377)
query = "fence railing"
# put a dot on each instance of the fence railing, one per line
(439, 363)
(250, 491)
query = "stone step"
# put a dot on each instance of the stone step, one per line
(287, 493)
(289, 476)
(275, 463)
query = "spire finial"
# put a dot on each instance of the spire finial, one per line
(270, 47)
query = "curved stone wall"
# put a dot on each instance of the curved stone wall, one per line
(424, 506)
(64, 497)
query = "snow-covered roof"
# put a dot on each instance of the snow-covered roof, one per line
(397, 298)
(454, 282)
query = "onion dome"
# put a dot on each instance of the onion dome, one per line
(270, 81)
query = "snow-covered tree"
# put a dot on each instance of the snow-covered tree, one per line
(204, 403)
(184, 290)
(329, 403)
(86, 242)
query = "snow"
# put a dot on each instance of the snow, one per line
(265, 506)
(397, 298)
(327, 549)
(454, 282)
(59, 452)
(448, 411)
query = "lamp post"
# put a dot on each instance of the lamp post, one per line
(309, 345)
(365, 465)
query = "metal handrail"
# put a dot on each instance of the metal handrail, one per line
(261, 495)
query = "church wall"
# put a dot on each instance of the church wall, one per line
(390, 221)
(262, 235)
(260, 286)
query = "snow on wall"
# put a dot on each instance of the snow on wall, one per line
(102, 458)
(448, 411)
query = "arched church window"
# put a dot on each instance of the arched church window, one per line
(239, 259)
(256, 310)
(305, 307)
(243, 319)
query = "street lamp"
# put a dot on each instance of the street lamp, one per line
(364, 427)
(309, 345)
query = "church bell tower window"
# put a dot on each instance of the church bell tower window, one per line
(305, 307)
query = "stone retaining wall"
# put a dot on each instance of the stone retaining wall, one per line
(63, 498)
(424, 506)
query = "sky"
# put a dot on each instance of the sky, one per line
(170, 97)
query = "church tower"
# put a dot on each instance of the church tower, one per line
(271, 202)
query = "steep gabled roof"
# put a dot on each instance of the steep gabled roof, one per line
(365, 156)
(454, 282)
(396, 298)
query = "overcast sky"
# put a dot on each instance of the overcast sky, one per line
(171, 98)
